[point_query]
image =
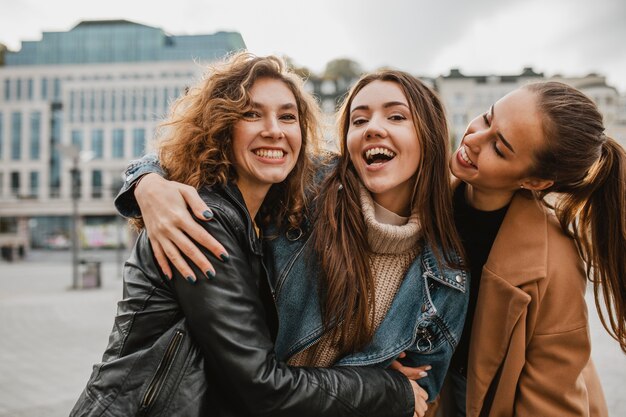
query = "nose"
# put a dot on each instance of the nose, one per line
(474, 137)
(273, 129)
(375, 129)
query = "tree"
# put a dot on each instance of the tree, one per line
(342, 69)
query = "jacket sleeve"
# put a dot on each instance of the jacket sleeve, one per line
(552, 381)
(125, 201)
(226, 318)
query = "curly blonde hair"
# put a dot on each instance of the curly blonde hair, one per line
(195, 145)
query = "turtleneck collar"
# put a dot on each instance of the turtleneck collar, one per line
(387, 232)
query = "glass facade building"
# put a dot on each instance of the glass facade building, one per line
(94, 96)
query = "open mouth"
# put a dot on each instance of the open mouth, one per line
(465, 157)
(269, 153)
(378, 156)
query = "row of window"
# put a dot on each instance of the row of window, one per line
(16, 131)
(114, 105)
(117, 142)
(35, 137)
(17, 89)
(15, 185)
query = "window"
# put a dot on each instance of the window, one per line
(118, 144)
(34, 183)
(56, 89)
(29, 88)
(44, 88)
(16, 136)
(96, 183)
(1, 135)
(77, 139)
(7, 89)
(18, 89)
(35, 134)
(15, 183)
(139, 142)
(97, 143)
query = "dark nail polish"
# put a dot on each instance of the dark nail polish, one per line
(210, 274)
(191, 279)
(208, 214)
(224, 257)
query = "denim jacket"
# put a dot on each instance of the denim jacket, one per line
(425, 319)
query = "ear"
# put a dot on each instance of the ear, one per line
(536, 184)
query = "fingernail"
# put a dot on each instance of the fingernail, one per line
(428, 368)
(210, 274)
(191, 279)
(224, 257)
(423, 374)
(208, 214)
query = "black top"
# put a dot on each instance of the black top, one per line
(477, 230)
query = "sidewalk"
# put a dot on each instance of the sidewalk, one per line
(51, 336)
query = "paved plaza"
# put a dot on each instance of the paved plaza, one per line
(51, 336)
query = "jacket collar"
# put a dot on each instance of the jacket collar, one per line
(519, 252)
(234, 194)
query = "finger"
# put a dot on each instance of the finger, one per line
(413, 373)
(191, 251)
(395, 365)
(161, 259)
(402, 355)
(423, 393)
(204, 238)
(172, 253)
(195, 203)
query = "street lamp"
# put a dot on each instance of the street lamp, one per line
(74, 153)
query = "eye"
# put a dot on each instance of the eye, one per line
(288, 117)
(359, 121)
(486, 118)
(251, 115)
(397, 117)
(495, 148)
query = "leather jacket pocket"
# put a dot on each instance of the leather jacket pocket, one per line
(160, 376)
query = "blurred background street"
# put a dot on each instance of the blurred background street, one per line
(52, 335)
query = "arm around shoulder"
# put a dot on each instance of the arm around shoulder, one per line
(227, 320)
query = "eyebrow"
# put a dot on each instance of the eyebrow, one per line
(385, 106)
(506, 142)
(286, 106)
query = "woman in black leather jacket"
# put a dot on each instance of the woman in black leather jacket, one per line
(198, 347)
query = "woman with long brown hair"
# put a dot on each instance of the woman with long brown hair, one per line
(541, 206)
(200, 347)
(374, 271)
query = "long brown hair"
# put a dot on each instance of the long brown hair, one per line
(339, 234)
(196, 143)
(589, 173)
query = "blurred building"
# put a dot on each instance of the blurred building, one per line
(103, 87)
(466, 96)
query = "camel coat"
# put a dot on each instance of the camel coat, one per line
(530, 349)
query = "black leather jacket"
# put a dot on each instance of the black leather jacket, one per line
(179, 349)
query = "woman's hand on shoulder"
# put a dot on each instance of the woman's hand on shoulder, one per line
(171, 227)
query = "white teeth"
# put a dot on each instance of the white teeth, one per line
(463, 152)
(269, 153)
(379, 151)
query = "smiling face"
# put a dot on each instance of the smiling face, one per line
(267, 140)
(383, 144)
(496, 153)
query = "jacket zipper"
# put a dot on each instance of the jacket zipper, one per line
(159, 378)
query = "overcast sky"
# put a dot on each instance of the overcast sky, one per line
(567, 37)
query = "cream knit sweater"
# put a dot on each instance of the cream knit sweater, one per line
(394, 244)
